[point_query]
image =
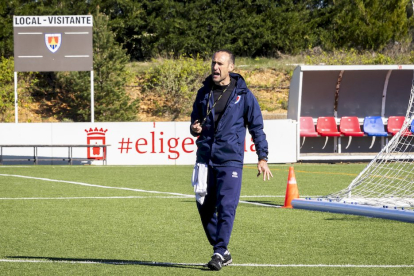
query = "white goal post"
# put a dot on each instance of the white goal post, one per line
(385, 188)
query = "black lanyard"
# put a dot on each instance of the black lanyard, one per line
(208, 103)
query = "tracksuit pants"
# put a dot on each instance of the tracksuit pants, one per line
(219, 208)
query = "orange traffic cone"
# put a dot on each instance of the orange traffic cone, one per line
(292, 191)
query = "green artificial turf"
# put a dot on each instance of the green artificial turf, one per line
(142, 220)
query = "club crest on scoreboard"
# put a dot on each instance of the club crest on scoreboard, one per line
(53, 42)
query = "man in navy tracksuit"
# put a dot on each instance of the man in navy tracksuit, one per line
(223, 108)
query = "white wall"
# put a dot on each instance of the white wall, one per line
(145, 143)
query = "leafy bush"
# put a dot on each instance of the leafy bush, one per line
(352, 57)
(173, 83)
(26, 81)
(284, 104)
(6, 89)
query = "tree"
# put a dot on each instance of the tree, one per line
(110, 60)
(127, 20)
(70, 91)
(288, 27)
(370, 24)
(6, 29)
(148, 29)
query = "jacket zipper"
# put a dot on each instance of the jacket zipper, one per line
(228, 107)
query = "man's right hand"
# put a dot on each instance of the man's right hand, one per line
(196, 127)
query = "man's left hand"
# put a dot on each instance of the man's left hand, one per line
(263, 168)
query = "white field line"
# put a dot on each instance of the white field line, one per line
(113, 262)
(122, 188)
(257, 196)
(87, 197)
(260, 204)
(325, 265)
(94, 185)
(114, 197)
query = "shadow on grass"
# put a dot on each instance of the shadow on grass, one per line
(110, 262)
(252, 203)
(349, 218)
(263, 203)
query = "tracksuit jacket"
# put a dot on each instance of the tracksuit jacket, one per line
(224, 146)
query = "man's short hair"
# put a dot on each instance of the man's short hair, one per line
(232, 58)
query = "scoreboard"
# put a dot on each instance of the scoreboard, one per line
(53, 43)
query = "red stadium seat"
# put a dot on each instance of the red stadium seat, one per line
(326, 126)
(394, 125)
(349, 126)
(307, 128)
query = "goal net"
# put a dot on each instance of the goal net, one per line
(388, 180)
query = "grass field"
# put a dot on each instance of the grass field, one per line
(142, 220)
